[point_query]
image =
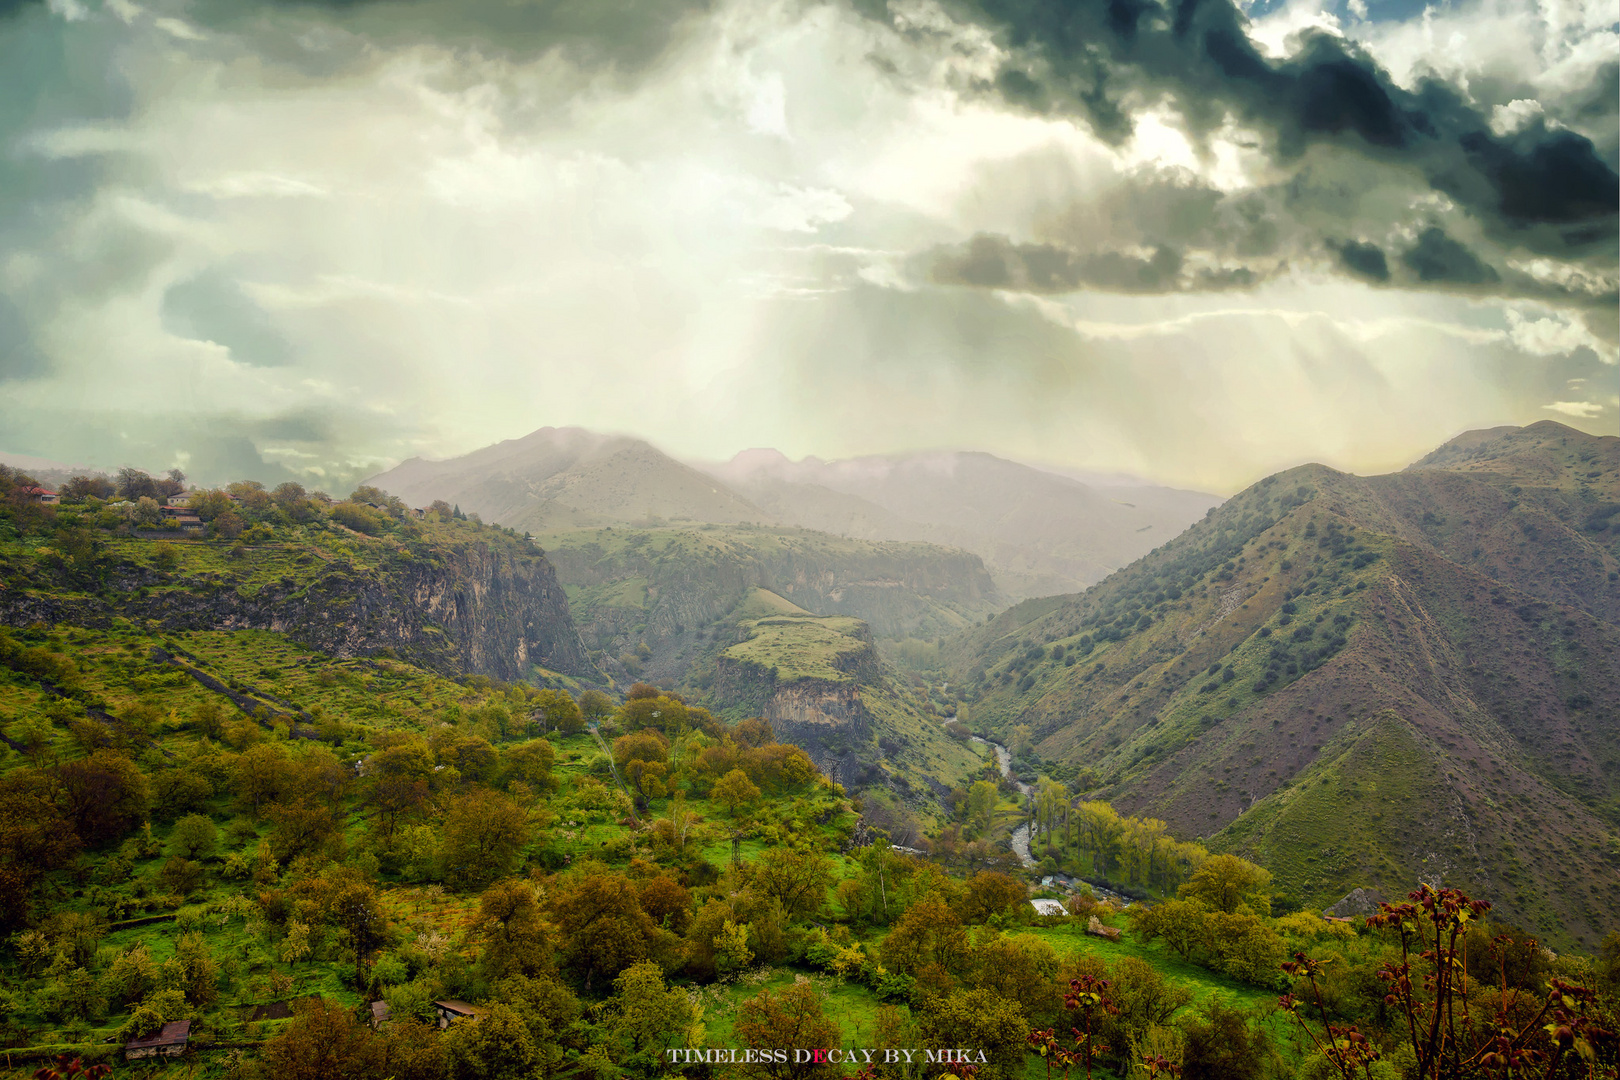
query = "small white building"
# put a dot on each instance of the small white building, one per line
(1048, 907)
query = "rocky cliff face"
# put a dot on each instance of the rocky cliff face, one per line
(471, 608)
(827, 719)
(662, 587)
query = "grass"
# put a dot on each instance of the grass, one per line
(802, 647)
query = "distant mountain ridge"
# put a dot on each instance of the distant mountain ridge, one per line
(562, 478)
(1039, 532)
(1360, 680)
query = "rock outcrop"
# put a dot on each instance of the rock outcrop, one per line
(471, 608)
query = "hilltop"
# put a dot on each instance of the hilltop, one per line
(1359, 680)
(563, 478)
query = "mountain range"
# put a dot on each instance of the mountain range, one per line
(1359, 681)
(1038, 532)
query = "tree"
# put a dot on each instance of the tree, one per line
(1226, 882)
(602, 926)
(1179, 922)
(514, 932)
(497, 1047)
(790, 1018)
(135, 484)
(982, 800)
(992, 893)
(34, 840)
(411, 1050)
(734, 791)
(1223, 1045)
(80, 488)
(356, 909)
(555, 710)
(649, 1016)
(595, 706)
(322, 1042)
(928, 933)
(982, 1021)
(193, 971)
(484, 832)
(530, 763)
(799, 880)
(104, 795)
(193, 837)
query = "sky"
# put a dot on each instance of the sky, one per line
(1187, 240)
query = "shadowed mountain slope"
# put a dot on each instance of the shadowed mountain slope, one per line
(1359, 680)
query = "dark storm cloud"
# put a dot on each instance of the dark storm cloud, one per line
(20, 358)
(1437, 258)
(213, 307)
(1543, 189)
(989, 261)
(995, 262)
(1363, 260)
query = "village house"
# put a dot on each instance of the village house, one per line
(379, 1015)
(181, 517)
(451, 1011)
(1048, 907)
(41, 495)
(169, 1042)
(182, 499)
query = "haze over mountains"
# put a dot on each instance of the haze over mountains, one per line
(1038, 532)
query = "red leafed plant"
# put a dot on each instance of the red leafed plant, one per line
(68, 1067)
(1527, 1035)
(1087, 997)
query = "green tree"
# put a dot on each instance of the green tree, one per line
(323, 1042)
(789, 1018)
(990, 893)
(1226, 882)
(484, 832)
(194, 837)
(981, 804)
(595, 706)
(497, 1047)
(514, 932)
(799, 880)
(556, 711)
(734, 791)
(982, 1021)
(193, 971)
(649, 1016)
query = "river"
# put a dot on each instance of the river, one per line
(1020, 836)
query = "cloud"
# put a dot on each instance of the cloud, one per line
(213, 307)
(1405, 153)
(1582, 410)
(1438, 259)
(628, 36)
(20, 358)
(1363, 260)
